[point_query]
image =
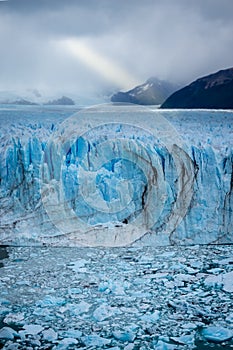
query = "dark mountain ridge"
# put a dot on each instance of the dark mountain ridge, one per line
(214, 91)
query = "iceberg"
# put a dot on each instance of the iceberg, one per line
(115, 175)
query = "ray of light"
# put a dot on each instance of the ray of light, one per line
(99, 63)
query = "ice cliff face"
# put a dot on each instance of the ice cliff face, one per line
(116, 182)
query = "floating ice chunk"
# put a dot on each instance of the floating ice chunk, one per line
(118, 287)
(95, 340)
(164, 346)
(125, 335)
(104, 311)
(49, 335)
(51, 301)
(14, 318)
(184, 339)
(103, 287)
(71, 333)
(214, 281)
(75, 291)
(129, 347)
(191, 271)
(41, 312)
(81, 308)
(167, 255)
(32, 329)
(217, 334)
(160, 275)
(184, 277)
(65, 343)
(178, 267)
(215, 270)
(7, 333)
(196, 264)
(151, 318)
(224, 281)
(228, 282)
(226, 261)
(115, 287)
(189, 325)
(35, 343)
(78, 266)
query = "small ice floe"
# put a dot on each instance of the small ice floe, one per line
(14, 318)
(187, 339)
(65, 343)
(226, 261)
(49, 335)
(114, 287)
(151, 317)
(228, 282)
(161, 345)
(81, 308)
(78, 265)
(189, 325)
(126, 335)
(32, 329)
(217, 334)
(223, 280)
(95, 340)
(214, 281)
(71, 333)
(168, 254)
(51, 301)
(7, 333)
(104, 312)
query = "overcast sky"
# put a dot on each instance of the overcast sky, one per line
(87, 45)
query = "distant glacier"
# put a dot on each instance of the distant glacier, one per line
(132, 176)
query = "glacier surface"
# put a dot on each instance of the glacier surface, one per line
(115, 176)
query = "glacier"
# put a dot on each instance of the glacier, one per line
(115, 175)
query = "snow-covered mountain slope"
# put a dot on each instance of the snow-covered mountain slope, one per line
(116, 177)
(152, 92)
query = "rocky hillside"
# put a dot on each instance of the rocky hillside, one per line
(152, 92)
(64, 100)
(212, 91)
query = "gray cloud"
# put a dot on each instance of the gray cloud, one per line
(176, 40)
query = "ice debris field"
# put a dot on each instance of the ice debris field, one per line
(163, 298)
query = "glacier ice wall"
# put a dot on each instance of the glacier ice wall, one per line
(35, 173)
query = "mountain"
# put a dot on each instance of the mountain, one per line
(26, 97)
(212, 91)
(152, 92)
(20, 101)
(61, 101)
(49, 97)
